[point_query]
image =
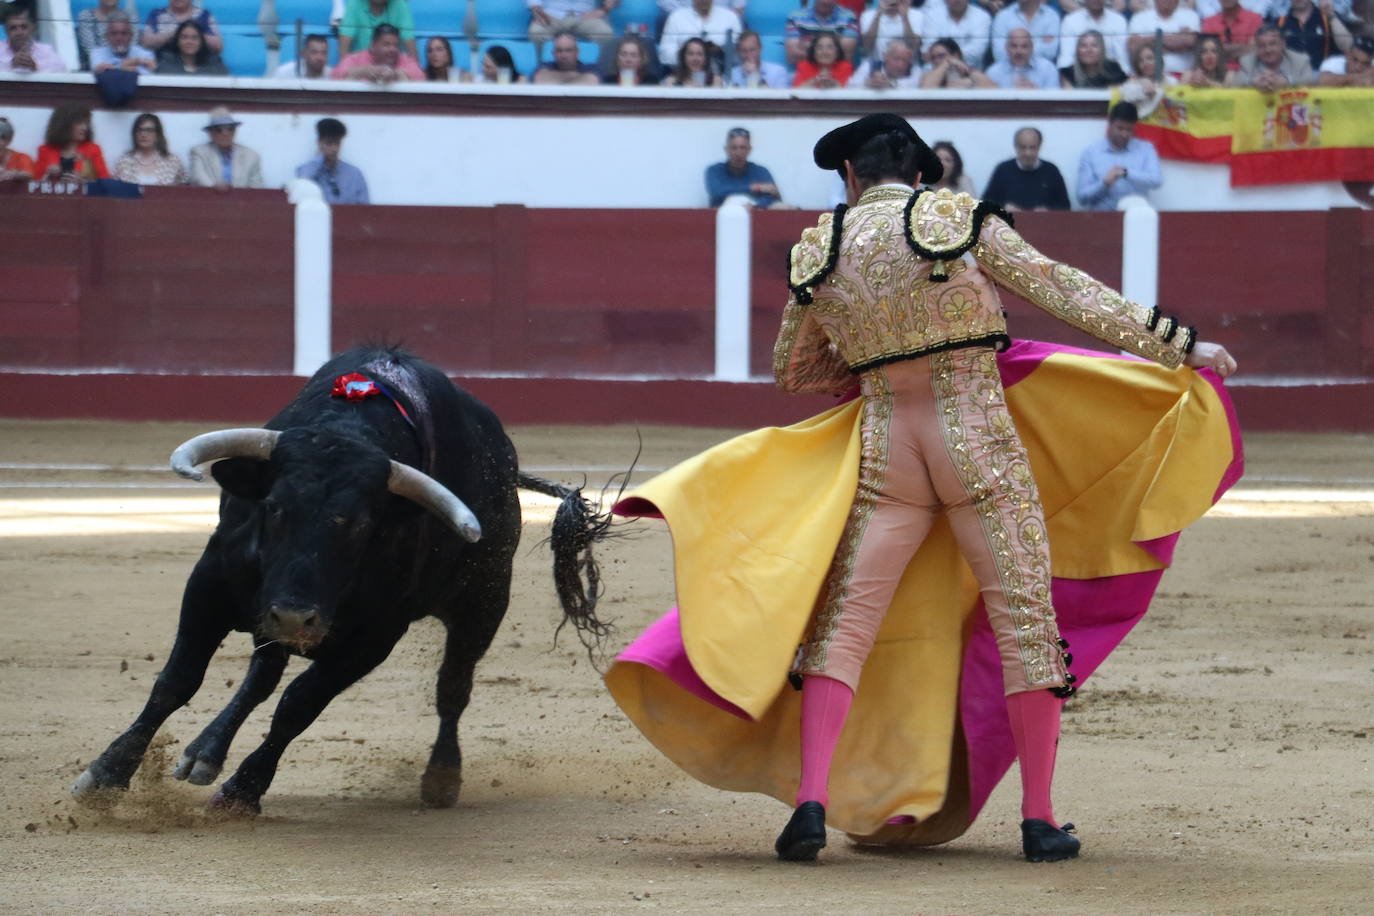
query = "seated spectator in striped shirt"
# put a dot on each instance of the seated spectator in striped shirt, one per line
(698, 66)
(820, 17)
(189, 54)
(380, 62)
(705, 19)
(825, 66)
(161, 26)
(20, 53)
(340, 182)
(361, 18)
(947, 69)
(567, 69)
(91, 24)
(120, 52)
(1023, 68)
(314, 60)
(753, 71)
(897, 69)
(738, 177)
(1354, 69)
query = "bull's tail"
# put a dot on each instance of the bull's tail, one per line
(577, 528)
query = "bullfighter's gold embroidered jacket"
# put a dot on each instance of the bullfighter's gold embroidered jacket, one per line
(905, 274)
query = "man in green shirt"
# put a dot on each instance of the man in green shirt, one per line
(362, 16)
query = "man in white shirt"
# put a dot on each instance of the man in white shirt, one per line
(968, 25)
(1356, 68)
(888, 20)
(1180, 27)
(314, 61)
(703, 19)
(20, 53)
(1094, 16)
(1040, 22)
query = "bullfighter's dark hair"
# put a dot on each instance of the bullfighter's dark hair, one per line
(889, 155)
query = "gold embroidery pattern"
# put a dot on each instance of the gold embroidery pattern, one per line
(811, 253)
(981, 440)
(943, 221)
(875, 433)
(1072, 296)
(804, 360)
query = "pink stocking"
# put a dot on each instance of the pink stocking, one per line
(825, 704)
(1035, 728)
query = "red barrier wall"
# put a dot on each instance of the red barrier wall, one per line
(185, 281)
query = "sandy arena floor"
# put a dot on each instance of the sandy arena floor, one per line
(1220, 762)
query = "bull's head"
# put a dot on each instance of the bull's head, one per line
(317, 496)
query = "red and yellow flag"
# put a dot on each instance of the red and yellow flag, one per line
(1309, 133)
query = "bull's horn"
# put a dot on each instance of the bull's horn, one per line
(427, 492)
(223, 443)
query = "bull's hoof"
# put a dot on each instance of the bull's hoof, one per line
(228, 806)
(440, 785)
(197, 771)
(89, 791)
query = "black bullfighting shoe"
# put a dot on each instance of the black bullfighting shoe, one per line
(804, 835)
(1041, 841)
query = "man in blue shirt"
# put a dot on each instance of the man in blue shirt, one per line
(340, 182)
(1023, 68)
(737, 175)
(1118, 165)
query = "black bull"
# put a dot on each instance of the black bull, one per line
(340, 524)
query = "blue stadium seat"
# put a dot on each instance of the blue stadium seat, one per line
(773, 50)
(315, 14)
(437, 17)
(502, 19)
(635, 13)
(769, 17)
(244, 52)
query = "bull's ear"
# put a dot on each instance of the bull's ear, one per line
(247, 478)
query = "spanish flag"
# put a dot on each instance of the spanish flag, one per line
(1303, 134)
(1191, 124)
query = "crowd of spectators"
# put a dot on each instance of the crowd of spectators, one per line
(963, 44)
(70, 154)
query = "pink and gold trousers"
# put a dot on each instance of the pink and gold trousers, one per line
(937, 438)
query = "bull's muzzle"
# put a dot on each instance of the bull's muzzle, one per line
(300, 628)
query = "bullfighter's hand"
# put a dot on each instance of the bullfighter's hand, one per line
(1211, 356)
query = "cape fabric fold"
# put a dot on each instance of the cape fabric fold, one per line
(1126, 454)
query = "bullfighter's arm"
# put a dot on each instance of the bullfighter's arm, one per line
(1072, 296)
(804, 359)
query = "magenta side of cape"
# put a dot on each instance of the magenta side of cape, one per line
(1094, 614)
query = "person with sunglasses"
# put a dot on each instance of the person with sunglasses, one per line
(340, 182)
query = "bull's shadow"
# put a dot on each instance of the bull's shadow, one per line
(382, 494)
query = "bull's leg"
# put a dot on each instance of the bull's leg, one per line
(469, 635)
(204, 757)
(301, 703)
(202, 625)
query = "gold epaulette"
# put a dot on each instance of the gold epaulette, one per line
(813, 258)
(942, 225)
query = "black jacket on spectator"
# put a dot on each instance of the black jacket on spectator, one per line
(1111, 74)
(1042, 186)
